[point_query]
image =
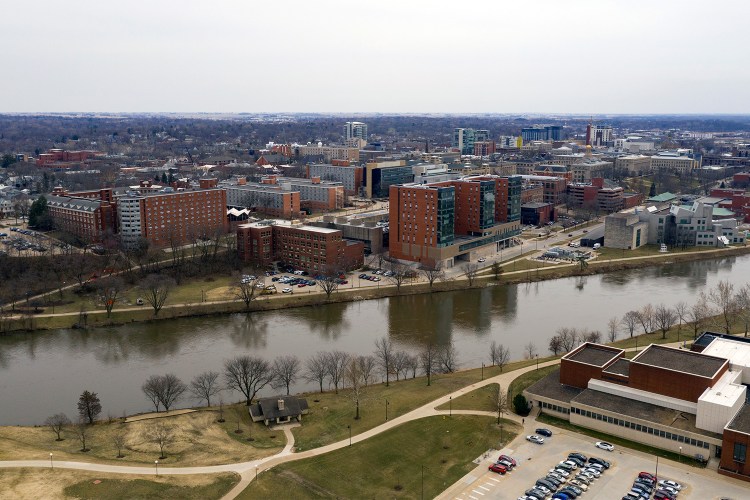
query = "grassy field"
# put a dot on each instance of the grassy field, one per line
(65, 483)
(479, 399)
(198, 440)
(618, 441)
(644, 251)
(389, 465)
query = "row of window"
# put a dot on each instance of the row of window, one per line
(641, 428)
(556, 408)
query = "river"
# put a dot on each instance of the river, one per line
(43, 373)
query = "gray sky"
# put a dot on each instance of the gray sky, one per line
(546, 56)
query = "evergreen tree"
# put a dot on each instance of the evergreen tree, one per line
(37, 211)
(652, 191)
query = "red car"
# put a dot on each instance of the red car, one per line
(509, 459)
(500, 469)
(647, 475)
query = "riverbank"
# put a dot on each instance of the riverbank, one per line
(302, 298)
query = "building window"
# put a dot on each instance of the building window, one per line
(740, 451)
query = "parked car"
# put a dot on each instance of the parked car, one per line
(544, 432)
(481, 259)
(508, 465)
(647, 475)
(672, 484)
(605, 446)
(286, 290)
(535, 439)
(600, 461)
(508, 458)
(499, 468)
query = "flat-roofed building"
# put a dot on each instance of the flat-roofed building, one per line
(350, 176)
(633, 163)
(89, 219)
(674, 162)
(268, 199)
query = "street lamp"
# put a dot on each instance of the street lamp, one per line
(350, 434)
(156, 466)
(680, 454)
(482, 371)
(537, 362)
(50, 461)
(386, 410)
(450, 406)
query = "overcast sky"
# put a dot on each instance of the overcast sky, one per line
(545, 56)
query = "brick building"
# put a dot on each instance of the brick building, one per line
(351, 177)
(314, 249)
(88, 218)
(267, 198)
(55, 156)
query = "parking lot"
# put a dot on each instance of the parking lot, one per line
(534, 461)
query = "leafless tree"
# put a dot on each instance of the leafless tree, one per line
(681, 310)
(118, 439)
(612, 326)
(530, 350)
(366, 367)
(384, 355)
(162, 435)
(568, 338)
(499, 355)
(354, 378)
(427, 361)
(722, 297)
(155, 289)
(329, 280)
(205, 385)
(698, 313)
(285, 371)
(400, 273)
(499, 401)
(432, 273)
(412, 365)
(593, 336)
(447, 359)
(248, 375)
(555, 345)
(400, 364)
(107, 291)
(247, 291)
(316, 369)
(646, 317)
(470, 270)
(152, 388)
(630, 321)
(664, 318)
(336, 363)
(81, 430)
(57, 423)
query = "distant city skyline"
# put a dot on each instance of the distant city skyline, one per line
(581, 57)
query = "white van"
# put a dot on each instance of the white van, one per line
(597, 246)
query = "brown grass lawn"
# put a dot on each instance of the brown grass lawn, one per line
(39, 484)
(198, 440)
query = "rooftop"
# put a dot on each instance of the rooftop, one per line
(619, 367)
(642, 411)
(741, 421)
(737, 351)
(680, 360)
(663, 197)
(593, 354)
(550, 387)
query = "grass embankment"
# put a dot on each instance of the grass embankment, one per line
(390, 464)
(479, 399)
(330, 413)
(198, 440)
(650, 450)
(523, 381)
(66, 483)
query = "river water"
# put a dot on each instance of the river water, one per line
(44, 372)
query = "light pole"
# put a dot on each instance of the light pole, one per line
(50, 461)
(656, 472)
(423, 482)
(386, 410)
(680, 454)
(482, 371)
(450, 406)
(156, 466)
(350, 434)
(537, 362)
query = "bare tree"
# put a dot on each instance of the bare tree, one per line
(432, 273)
(447, 358)
(172, 389)
(155, 289)
(412, 365)
(246, 290)
(384, 354)
(399, 274)
(499, 355)
(205, 385)
(427, 361)
(57, 423)
(646, 317)
(664, 318)
(152, 388)
(354, 378)
(329, 280)
(499, 401)
(400, 363)
(698, 313)
(593, 336)
(555, 345)
(81, 430)
(316, 369)
(107, 291)
(630, 320)
(568, 338)
(530, 350)
(118, 439)
(336, 363)
(470, 270)
(366, 367)
(285, 371)
(722, 297)
(248, 375)
(612, 326)
(681, 310)
(162, 435)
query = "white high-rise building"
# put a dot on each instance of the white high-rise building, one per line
(355, 130)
